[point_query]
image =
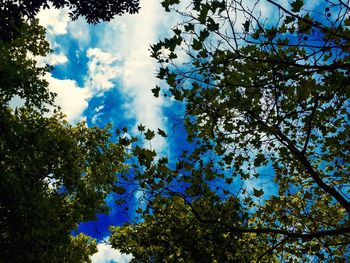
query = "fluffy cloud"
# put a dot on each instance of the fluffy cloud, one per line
(54, 20)
(52, 59)
(130, 36)
(102, 70)
(106, 254)
(80, 31)
(70, 97)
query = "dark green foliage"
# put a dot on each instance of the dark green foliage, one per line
(266, 101)
(53, 176)
(175, 230)
(19, 74)
(81, 247)
(13, 13)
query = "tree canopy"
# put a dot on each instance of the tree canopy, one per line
(93, 11)
(267, 99)
(267, 115)
(20, 75)
(53, 175)
(13, 13)
(175, 230)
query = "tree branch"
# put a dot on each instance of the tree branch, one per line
(289, 234)
(309, 126)
(317, 25)
(304, 161)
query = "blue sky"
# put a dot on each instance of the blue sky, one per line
(104, 74)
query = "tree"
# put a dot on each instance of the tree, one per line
(53, 175)
(20, 75)
(13, 13)
(264, 95)
(175, 230)
(80, 249)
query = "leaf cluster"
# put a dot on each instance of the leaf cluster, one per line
(267, 101)
(14, 13)
(53, 176)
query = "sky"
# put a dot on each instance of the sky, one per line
(104, 74)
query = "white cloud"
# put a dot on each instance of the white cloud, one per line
(102, 70)
(80, 31)
(106, 254)
(70, 97)
(97, 114)
(52, 59)
(54, 20)
(131, 36)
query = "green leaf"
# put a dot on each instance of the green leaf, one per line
(167, 3)
(259, 159)
(124, 141)
(177, 31)
(229, 180)
(119, 190)
(162, 133)
(228, 159)
(156, 91)
(197, 44)
(257, 192)
(289, 19)
(141, 128)
(189, 27)
(271, 33)
(212, 25)
(171, 80)
(172, 55)
(149, 135)
(347, 21)
(305, 24)
(256, 34)
(297, 5)
(203, 35)
(203, 13)
(327, 56)
(246, 25)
